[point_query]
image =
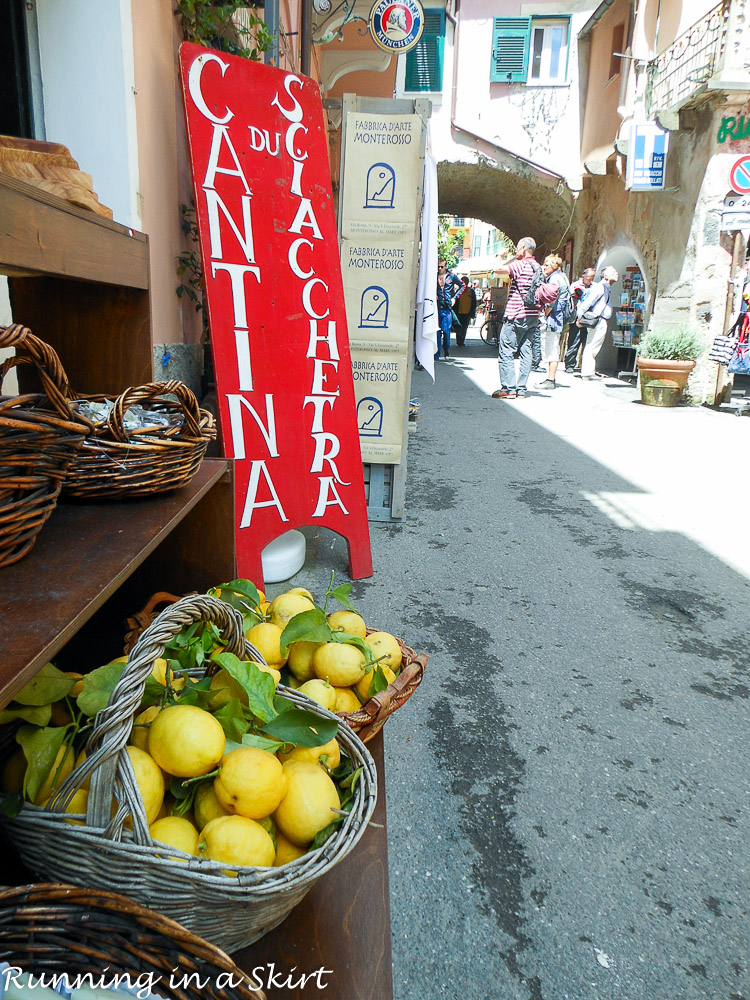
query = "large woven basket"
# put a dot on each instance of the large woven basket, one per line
(369, 719)
(39, 437)
(56, 929)
(115, 464)
(230, 912)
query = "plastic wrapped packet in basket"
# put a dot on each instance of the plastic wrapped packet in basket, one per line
(151, 439)
(40, 435)
(99, 936)
(231, 912)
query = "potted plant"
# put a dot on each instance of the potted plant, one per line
(665, 359)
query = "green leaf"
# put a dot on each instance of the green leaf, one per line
(49, 685)
(326, 833)
(378, 682)
(11, 804)
(341, 594)
(254, 740)
(39, 715)
(232, 720)
(354, 640)
(153, 693)
(257, 684)
(98, 686)
(302, 728)
(240, 594)
(178, 790)
(309, 625)
(198, 694)
(40, 747)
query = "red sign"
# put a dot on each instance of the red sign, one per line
(739, 175)
(275, 301)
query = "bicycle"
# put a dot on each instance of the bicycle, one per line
(489, 331)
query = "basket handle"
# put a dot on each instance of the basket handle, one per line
(47, 363)
(146, 393)
(107, 762)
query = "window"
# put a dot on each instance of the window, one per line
(424, 63)
(618, 40)
(530, 50)
(477, 245)
(459, 221)
(15, 85)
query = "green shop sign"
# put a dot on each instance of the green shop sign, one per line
(733, 128)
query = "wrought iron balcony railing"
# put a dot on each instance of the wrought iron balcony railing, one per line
(681, 72)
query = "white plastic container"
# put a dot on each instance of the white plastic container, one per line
(283, 557)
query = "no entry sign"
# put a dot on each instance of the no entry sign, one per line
(275, 302)
(739, 175)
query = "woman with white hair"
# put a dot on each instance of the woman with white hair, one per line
(594, 310)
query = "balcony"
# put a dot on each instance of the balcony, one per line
(680, 76)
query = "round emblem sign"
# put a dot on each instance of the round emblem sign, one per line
(396, 25)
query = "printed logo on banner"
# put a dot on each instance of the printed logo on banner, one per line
(647, 157)
(374, 308)
(283, 368)
(396, 26)
(370, 417)
(381, 186)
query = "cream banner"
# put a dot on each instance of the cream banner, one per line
(378, 243)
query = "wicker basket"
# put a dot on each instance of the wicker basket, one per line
(230, 912)
(39, 437)
(47, 929)
(115, 464)
(370, 718)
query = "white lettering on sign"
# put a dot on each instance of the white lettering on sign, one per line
(237, 274)
(245, 238)
(194, 87)
(260, 140)
(294, 263)
(251, 501)
(236, 404)
(220, 136)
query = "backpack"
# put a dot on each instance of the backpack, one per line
(540, 292)
(567, 306)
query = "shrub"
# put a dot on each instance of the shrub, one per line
(673, 345)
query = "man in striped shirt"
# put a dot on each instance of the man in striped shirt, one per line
(519, 323)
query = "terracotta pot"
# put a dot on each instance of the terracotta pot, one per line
(662, 381)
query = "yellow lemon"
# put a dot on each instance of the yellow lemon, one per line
(303, 591)
(14, 771)
(150, 782)
(306, 809)
(330, 753)
(226, 688)
(237, 840)
(59, 714)
(294, 683)
(276, 674)
(363, 687)
(78, 686)
(347, 621)
(186, 741)
(383, 644)
(286, 606)
(141, 727)
(300, 659)
(286, 851)
(269, 826)
(266, 637)
(177, 832)
(159, 672)
(251, 782)
(205, 804)
(59, 771)
(77, 805)
(79, 760)
(346, 700)
(339, 663)
(320, 691)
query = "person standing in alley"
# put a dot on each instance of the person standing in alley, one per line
(593, 311)
(520, 323)
(466, 310)
(552, 319)
(449, 287)
(576, 333)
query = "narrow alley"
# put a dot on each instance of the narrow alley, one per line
(567, 790)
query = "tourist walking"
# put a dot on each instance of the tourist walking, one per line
(449, 287)
(593, 312)
(466, 310)
(576, 333)
(520, 323)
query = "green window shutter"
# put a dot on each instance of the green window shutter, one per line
(510, 49)
(424, 63)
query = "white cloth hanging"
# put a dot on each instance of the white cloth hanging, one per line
(427, 314)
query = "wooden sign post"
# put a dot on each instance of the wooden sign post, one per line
(275, 302)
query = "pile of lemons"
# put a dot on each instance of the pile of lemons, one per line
(338, 675)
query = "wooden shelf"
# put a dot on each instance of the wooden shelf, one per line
(86, 552)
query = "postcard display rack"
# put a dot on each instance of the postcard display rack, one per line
(627, 332)
(82, 284)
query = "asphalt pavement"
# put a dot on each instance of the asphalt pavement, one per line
(567, 790)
